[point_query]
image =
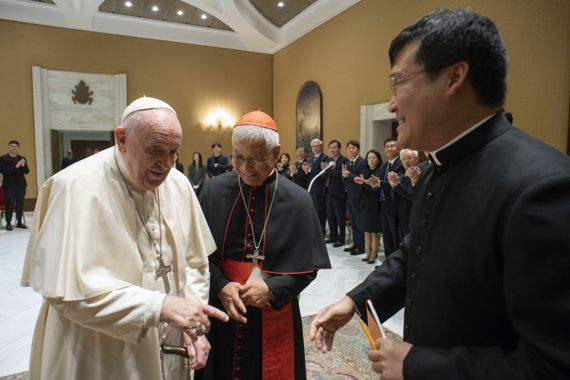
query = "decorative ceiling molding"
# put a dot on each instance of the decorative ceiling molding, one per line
(251, 30)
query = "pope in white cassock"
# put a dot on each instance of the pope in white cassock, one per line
(118, 250)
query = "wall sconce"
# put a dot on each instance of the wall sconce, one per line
(219, 119)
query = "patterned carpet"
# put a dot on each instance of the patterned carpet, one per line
(348, 359)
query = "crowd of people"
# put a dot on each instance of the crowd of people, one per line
(475, 239)
(375, 197)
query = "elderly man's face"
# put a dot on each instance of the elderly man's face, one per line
(316, 148)
(409, 160)
(252, 162)
(150, 150)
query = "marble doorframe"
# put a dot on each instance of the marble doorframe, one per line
(375, 126)
(51, 100)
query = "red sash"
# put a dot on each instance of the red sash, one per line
(277, 341)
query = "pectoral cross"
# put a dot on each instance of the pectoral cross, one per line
(256, 256)
(162, 272)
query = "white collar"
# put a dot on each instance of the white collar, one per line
(434, 153)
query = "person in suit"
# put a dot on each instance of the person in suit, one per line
(483, 272)
(318, 188)
(352, 169)
(404, 190)
(300, 170)
(389, 209)
(334, 195)
(370, 205)
(197, 172)
(217, 163)
(68, 159)
(14, 168)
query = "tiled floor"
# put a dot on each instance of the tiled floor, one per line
(20, 305)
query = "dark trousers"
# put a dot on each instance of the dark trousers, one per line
(390, 234)
(320, 206)
(335, 214)
(357, 233)
(14, 194)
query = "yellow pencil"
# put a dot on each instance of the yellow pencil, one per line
(365, 329)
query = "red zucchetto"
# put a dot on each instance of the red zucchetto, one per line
(259, 119)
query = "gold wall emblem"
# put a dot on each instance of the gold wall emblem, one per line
(81, 94)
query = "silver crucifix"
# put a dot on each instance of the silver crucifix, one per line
(256, 256)
(162, 272)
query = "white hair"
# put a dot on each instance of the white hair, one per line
(249, 133)
(404, 151)
(316, 141)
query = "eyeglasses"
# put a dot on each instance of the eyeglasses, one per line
(253, 161)
(394, 81)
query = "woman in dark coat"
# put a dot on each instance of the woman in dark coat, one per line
(370, 206)
(197, 172)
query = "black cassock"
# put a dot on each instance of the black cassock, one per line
(294, 249)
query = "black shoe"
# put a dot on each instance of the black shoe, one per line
(21, 225)
(364, 259)
(338, 244)
(8, 227)
(329, 241)
(356, 253)
(350, 249)
(371, 261)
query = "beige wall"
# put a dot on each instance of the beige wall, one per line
(193, 79)
(348, 58)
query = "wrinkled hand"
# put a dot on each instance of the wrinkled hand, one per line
(359, 180)
(345, 171)
(229, 295)
(414, 173)
(328, 320)
(256, 294)
(186, 314)
(393, 179)
(388, 360)
(198, 351)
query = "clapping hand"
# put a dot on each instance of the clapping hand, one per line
(393, 179)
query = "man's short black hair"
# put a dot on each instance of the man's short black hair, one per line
(390, 139)
(335, 141)
(216, 144)
(353, 143)
(14, 142)
(450, 36)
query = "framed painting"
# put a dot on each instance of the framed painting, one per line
(309, 115)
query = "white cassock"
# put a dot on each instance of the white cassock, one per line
(91, 259)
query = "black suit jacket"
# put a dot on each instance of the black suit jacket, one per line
(354, 190)
(223, 165)
(300, 178)
(318, 188)
(334, 178)
(12, 176)
(386, 193)
(484, 271)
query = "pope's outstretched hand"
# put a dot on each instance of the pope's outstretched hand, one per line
(190, 315)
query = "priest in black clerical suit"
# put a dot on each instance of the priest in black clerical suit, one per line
(483, 274)
(254, 215)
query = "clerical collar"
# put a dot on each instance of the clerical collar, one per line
(433, 154)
